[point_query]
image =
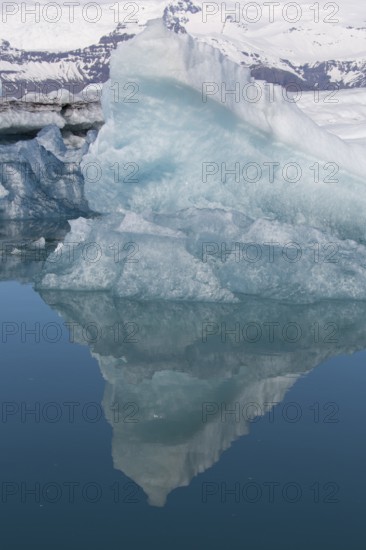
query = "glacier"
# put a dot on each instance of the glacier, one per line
(67, 110)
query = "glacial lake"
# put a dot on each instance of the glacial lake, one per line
(127, 424)
(200, 384)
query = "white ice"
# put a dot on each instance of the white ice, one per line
(147, 176)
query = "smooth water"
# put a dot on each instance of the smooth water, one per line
(150, 423)
(160, 386)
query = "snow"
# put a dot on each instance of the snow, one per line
(281, 36)
(342, 113)
(60, 31)
(41, 71)
(311, 41)
(280, 48)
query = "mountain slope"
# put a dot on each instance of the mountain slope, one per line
(299, 47)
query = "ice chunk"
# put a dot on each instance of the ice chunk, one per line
(204, 202)
(165, 147)
(206, 255)
(41, 178)
(139, 265)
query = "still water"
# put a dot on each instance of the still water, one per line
(177, 425)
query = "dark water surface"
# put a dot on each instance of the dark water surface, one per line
(116, 430)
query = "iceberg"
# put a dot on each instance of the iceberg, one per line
(41, 178)
(205, 255)
(208, 198)
(169, 144)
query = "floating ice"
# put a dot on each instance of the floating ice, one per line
(206, 255)
(211, 201)
(165, 148)
(41, 178)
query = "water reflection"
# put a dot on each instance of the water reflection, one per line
(24, 245)
(174, 371)
(173, 374)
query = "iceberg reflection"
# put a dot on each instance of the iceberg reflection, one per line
(174, 371)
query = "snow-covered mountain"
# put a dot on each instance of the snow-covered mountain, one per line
(308, 46)
(25, 71)
(304, 45)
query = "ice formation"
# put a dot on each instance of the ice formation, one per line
(67, 111)
(165, 148)
(204, 198)
(206, 255)
(41, 178)
(187, 229)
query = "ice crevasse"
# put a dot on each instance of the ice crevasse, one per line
(187, 176)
